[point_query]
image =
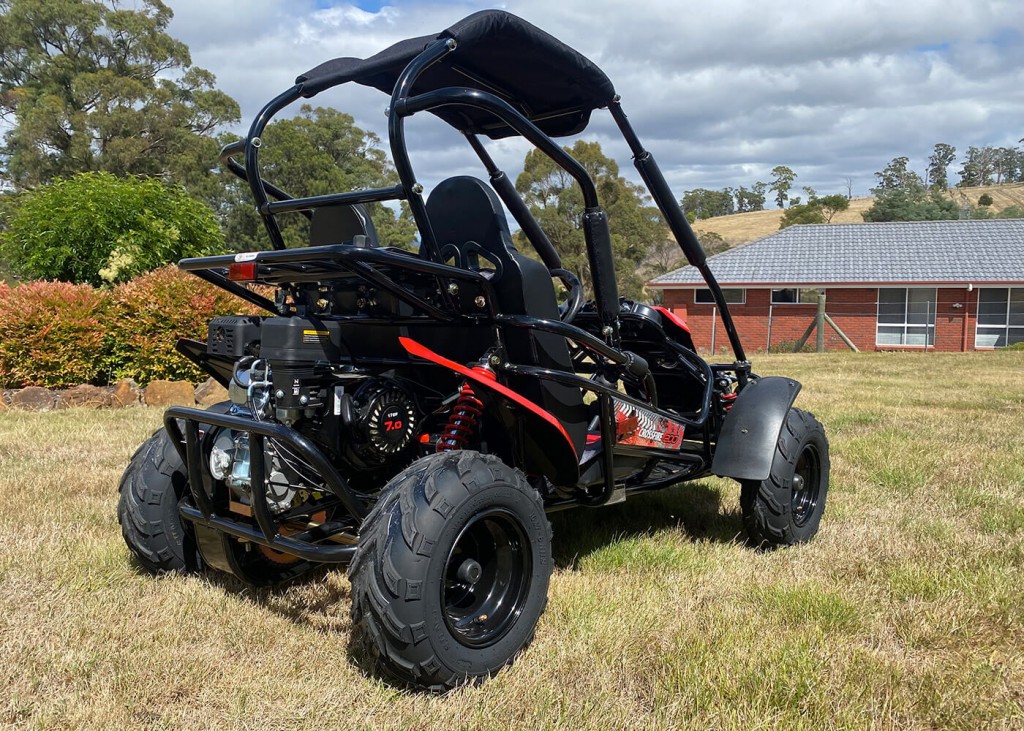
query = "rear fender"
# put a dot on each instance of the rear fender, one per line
(746, 443)
(549, 450)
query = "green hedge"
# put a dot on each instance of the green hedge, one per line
(58, 335)
(96, 228)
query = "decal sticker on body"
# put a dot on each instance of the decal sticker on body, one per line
(636, 426)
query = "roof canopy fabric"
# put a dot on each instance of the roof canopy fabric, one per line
(547, 81)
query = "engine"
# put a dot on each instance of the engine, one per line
(289, 370)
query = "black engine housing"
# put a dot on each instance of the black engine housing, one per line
(380, 420)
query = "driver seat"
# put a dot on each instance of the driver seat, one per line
(470, 227)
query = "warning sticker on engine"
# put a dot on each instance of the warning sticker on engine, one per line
(315, 337)
(639, 427)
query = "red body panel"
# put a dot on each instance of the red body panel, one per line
(421, 351)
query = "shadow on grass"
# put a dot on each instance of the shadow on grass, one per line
(310, 598)
(695, 509)
(314, 600)
(317, 600)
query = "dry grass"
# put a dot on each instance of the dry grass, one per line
(741, 228)
(905, 612)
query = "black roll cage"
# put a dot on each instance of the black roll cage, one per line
(401, 106)
(437, 293)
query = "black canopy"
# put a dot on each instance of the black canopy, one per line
(547, 81)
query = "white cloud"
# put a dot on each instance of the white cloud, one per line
(720, 92)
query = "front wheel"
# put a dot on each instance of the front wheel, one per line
(147, 509)
(452, 571)
(786, 508)
(154, 483)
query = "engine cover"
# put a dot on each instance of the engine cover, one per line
(381, 418)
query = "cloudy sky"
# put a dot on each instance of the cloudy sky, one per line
(720, 92)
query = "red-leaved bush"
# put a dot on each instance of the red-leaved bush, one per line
(147, 316)
(51, 334)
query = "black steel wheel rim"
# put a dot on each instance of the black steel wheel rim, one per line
(806, 485)
(486, 578)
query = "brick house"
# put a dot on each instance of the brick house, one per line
(942, 285)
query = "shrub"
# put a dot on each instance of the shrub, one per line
(51, 334)
(985, 200)
(786, 346)
(97, 228)
(149, 314)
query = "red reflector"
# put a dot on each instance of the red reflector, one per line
(242, 271)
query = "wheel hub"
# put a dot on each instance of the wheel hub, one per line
(470, 571)
(805, 485)
(486, 578)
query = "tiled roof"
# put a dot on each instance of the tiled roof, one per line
(905, 252)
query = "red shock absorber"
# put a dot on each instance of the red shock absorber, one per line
(465, 416)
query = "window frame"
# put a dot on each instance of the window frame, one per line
(906, 325)
(800, 291)
(1003, 329)
(725, 290)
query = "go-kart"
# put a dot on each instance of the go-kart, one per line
(415, 415)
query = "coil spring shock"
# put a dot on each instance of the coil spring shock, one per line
(463, 421)
(465, 414)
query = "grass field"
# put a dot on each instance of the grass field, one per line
(740, 228)
(905, 612)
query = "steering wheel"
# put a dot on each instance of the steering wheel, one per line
(568, 310)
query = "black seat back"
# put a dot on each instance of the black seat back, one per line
(470, 228)
(342, 225)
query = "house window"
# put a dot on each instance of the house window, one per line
(906, 317)
(794, 296)
(732, 296)
(1000, 317)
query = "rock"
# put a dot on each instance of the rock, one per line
(126, 393)
(169, 393)
(34, 398)
(88, 397)
(210, 392)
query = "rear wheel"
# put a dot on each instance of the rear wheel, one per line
(452, 571)
(786, 508)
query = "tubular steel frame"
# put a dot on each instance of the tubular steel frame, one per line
(335, 261)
